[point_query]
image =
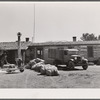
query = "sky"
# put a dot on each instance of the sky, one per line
(54, 21)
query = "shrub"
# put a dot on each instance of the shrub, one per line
(43, 70)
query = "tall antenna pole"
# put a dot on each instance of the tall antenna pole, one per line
(33, 39)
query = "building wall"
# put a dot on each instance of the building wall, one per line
(11, 56)
(29, 54)
(96, 51)
(45, 56)
(83, 51)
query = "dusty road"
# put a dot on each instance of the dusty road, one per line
(77, 78)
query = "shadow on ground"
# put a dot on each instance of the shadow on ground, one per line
(13, 73)
(66, 69)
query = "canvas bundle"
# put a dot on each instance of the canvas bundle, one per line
(37, 66)
(37, 60)
(33, 63)
(43, 69)
(52, 71)
(49, 70)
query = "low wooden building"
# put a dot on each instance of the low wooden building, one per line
(12, 50)
(88, 49)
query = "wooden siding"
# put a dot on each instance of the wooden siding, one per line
(46, 58)
(96, 51)
(82, 51)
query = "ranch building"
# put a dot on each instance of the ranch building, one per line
(12, 50)
(46, 50)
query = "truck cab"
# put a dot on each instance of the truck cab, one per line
(68, 54)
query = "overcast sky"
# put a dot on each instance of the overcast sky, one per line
(53, 21)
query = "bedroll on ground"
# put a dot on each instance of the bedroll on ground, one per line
(39, 65)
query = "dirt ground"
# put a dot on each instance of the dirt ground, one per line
(77, 78)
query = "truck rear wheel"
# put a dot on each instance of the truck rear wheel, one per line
(55, 63)
(71, 65)
(85, 67)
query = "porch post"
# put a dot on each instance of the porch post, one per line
(35, 52)
(19, 45)
(24, 57)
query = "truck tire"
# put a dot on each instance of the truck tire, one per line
(85, 67)
(71, 65)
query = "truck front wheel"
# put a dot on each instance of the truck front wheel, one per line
(71, 65)
(85, 67)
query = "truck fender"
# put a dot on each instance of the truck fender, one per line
(85, 61)
(71, 60)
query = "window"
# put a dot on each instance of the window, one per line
(90, 51)
(38, 52)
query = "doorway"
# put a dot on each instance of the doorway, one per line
(90, 51)
(11, 56)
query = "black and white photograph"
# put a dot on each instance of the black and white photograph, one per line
(49, 45)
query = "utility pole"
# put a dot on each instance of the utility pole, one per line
(33, 38)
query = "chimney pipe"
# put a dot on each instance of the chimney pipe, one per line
(74, 38)
(27, 39)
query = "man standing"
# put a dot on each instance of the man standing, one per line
(20, 64)
(3, 59)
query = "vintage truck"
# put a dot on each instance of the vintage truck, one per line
(68, 57)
